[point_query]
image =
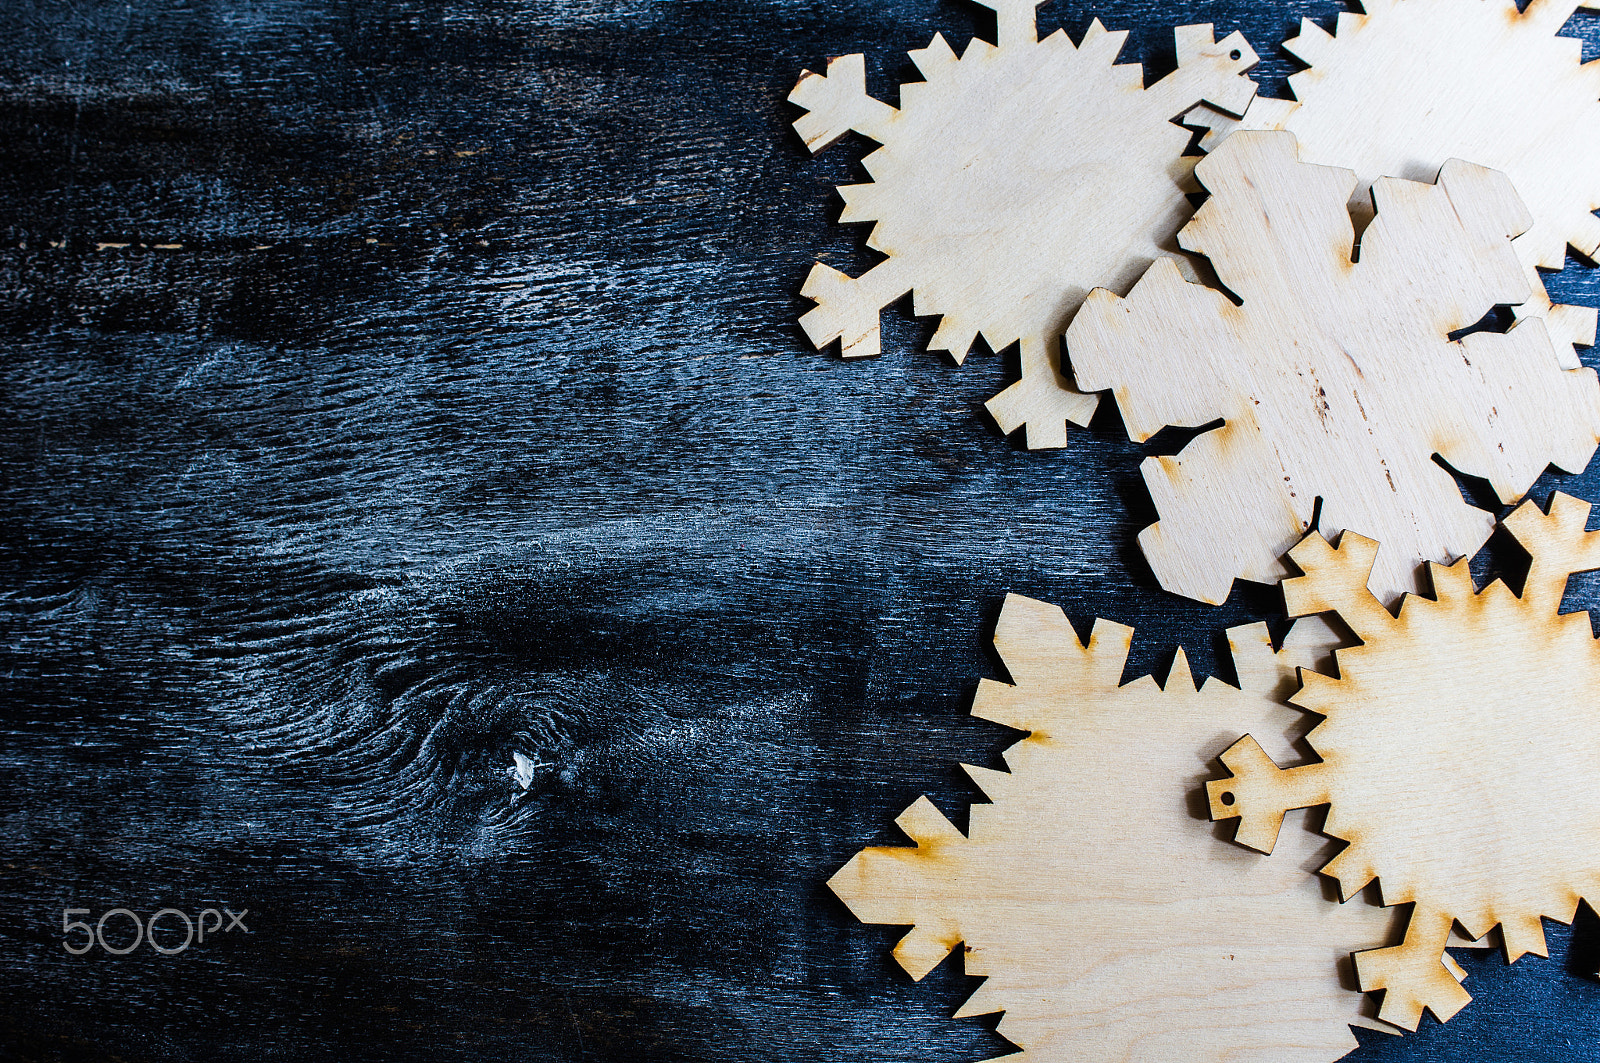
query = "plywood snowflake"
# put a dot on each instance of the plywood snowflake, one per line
(1110, 923)
(1011, 182)
(1459, 751)
(1335, 379)
(1411, 84)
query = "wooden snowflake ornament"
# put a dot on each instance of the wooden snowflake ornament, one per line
(1110, 923)
(1011, 182)
(1459, 747)
(1410, 84)
(1335, 379)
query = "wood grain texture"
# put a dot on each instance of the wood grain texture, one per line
(306, 535)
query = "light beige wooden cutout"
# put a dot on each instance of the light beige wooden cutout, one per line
(1011, 182)
(1335, 380)
(1411, 84)
(1459, 751)
(1109, 919)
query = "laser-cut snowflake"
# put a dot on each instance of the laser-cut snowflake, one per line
(1010, 183)
(1110, 923)
(1458, 750)
(1335, 379)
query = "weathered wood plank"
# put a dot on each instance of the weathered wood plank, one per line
(470, 416)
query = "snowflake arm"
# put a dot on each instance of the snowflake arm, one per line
(1207, 71)
(897, 886)
(1335, 580)
(1257, 793)
(848, 307)
(1558, 545)
(1417, 973)
(837, 102)
(1117, 340)
(1478, 214)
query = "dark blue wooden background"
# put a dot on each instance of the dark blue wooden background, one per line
(471, 417)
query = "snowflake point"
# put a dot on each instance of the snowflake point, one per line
(983, 1003)
(1179, 676)
(1016, 21)
(1522, 934)
(992, 784)
(935, 59)
(1307, 648)
(1351, 873)
(1451, 584)
(927, 826)
(1413, 974)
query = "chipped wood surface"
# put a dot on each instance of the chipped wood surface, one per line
(445, 403)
